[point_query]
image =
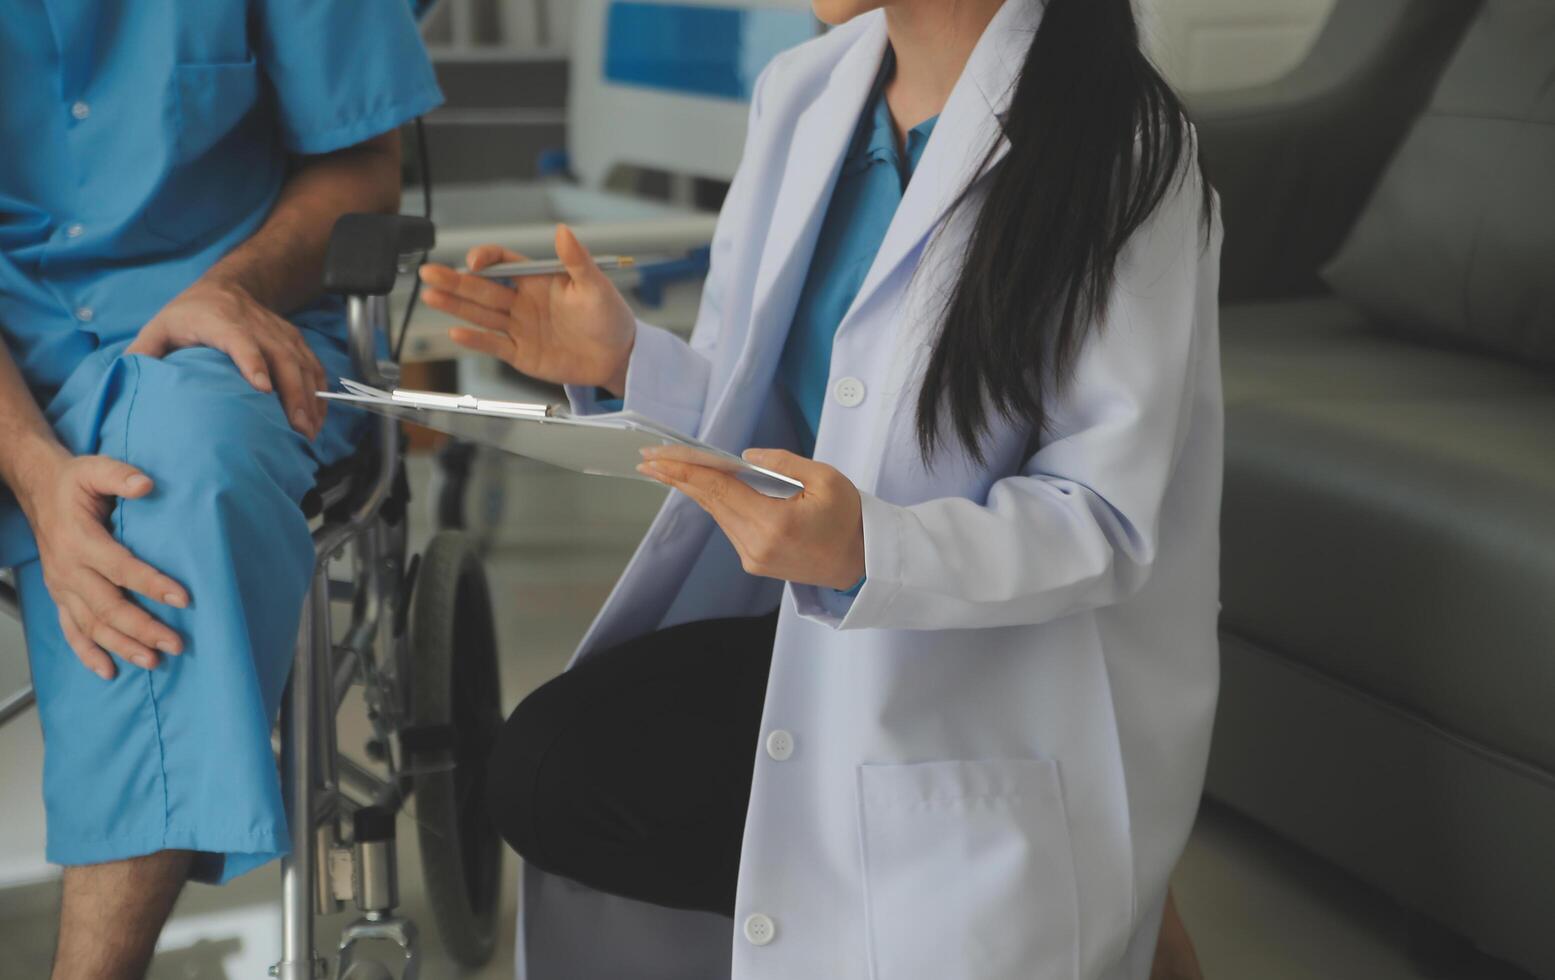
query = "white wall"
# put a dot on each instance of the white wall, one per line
(1204, 45)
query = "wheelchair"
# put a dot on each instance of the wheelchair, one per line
(418, 642)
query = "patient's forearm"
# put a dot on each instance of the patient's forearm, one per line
(27, 443)
(281, 266)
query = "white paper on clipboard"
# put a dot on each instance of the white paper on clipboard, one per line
(601, 445)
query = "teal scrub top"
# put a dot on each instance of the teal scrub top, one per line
(869, 189)
(146, 139)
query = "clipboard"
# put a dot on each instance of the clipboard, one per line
(609, 444)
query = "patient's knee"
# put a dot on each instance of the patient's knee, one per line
(192, 420)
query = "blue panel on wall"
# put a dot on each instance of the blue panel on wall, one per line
(695, 49)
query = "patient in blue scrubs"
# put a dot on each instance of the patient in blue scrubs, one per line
(170, 175)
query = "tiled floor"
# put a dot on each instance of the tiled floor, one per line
(1258, 909)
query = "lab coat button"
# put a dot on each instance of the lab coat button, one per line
(848, 392)
(780, 745)
(84, 314)
(760, 930)
(75, 231)
(80, 110)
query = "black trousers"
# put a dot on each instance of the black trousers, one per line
(632, 772)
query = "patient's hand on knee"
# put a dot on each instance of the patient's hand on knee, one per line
(67, 501)
(266, 348)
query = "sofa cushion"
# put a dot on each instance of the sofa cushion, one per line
(1458, 240)
(1324, 347)
(1389, 518)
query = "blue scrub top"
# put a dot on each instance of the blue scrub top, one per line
(869, 189)
(147, 139)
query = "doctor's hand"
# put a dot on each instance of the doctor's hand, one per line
(67, 501)
(813, 538)
(567, 329)
(267, 349)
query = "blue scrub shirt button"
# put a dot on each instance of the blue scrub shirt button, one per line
(80, 110)
(84, 314)
(75, 231)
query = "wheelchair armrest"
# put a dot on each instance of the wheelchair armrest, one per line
(365, 249)
(1296, 160)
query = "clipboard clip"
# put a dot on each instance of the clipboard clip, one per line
(467, 403)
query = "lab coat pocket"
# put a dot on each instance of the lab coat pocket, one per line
(968, 871)
(212, 177)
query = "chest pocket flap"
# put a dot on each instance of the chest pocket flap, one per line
(225, 157)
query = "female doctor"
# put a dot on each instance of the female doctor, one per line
(945, 713)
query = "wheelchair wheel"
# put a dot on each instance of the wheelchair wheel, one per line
(455, 713)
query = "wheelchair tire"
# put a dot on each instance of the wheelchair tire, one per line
(455, 705)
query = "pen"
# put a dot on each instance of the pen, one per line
(549, 267)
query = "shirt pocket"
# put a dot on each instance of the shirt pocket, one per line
(219, 154)
(968, 871)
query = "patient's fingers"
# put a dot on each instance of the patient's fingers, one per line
(123, 569)
(498, 345)
(108, 606)
(86, 651)
(152, 343)
(314, 378)
(90, 625)
(109, 477)
(108, 638)
(297, 396)
(246, 353)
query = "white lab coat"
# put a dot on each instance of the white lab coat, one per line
(998, 749)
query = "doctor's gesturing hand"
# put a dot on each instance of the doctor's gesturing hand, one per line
(567, 329)
(813, 538)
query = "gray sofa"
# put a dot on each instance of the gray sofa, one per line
(1389, 530)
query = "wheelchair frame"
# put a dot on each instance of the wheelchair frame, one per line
(321, 786)
(316, 779)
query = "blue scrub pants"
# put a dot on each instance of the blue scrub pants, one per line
(180, 756)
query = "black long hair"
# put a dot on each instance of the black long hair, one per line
(1098, 140)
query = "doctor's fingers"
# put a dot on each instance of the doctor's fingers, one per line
(736, 527)
(488, 293)
(498, 345)
(467, 309)
(727, 499)
(481, 256)
(581, 269)
(86, 651)
(815, 476)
